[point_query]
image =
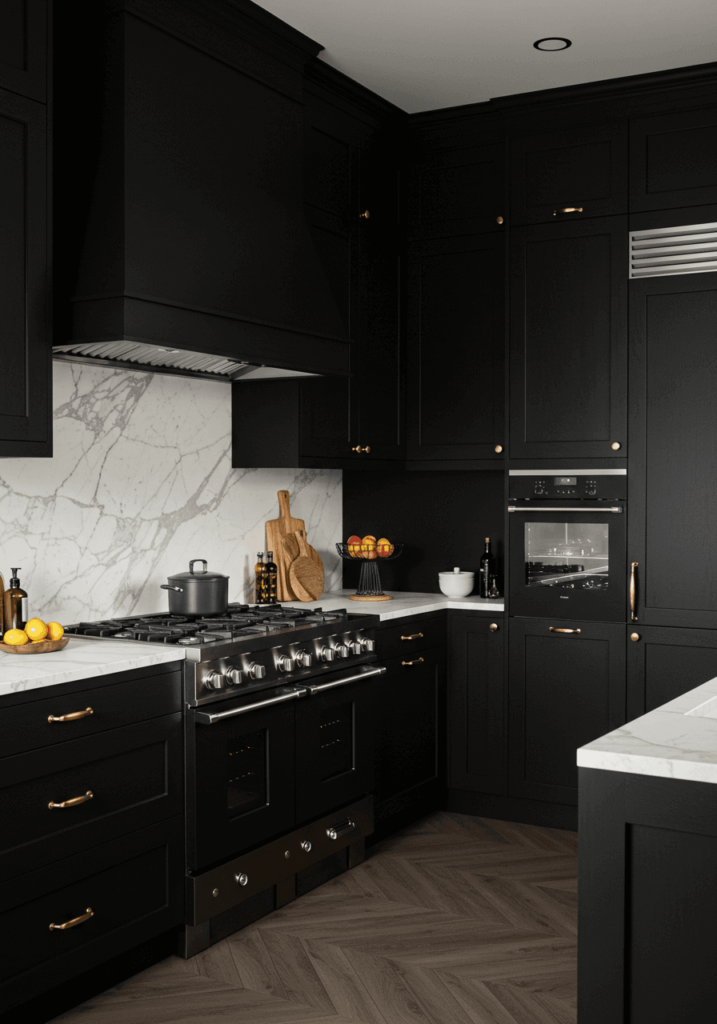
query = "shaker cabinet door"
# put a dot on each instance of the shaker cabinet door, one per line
(673, 160)
(663, 663)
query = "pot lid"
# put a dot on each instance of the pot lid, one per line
(198, 574)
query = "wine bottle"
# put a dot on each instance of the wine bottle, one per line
(260, 578)
(487, 569)
(271, 578)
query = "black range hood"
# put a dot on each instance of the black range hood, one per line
(181, 243)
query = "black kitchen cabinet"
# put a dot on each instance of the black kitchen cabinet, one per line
(568, 349)
(455, 316)
(566, 688)
(455, 192)
(25, 349)
(673, 382)
(569, 174)
(476, 698)
(23, 47)
(673, 160)
(663, 663)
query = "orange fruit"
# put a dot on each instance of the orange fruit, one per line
(36, 629)
(16, 637)
(55, 631)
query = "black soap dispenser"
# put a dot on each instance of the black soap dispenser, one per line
(15, 603)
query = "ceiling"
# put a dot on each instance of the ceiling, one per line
(426, 54)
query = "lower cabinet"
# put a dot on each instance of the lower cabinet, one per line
(664, 662)
(566, 688)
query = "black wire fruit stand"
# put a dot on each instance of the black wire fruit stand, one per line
(369, 587)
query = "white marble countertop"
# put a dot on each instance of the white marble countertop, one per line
(403, 604)
(81, 659)
(676, 741)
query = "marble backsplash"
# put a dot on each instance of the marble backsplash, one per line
(141, 482)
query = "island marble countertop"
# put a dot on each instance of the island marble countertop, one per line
(676, 741)
(81, 659)
(402, 605)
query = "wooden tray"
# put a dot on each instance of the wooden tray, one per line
(43, 647)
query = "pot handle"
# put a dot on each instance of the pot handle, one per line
(166, 586)
(202, 560)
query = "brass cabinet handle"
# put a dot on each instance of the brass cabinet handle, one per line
(499, 448)
(494, 627)
(633, 590)
(74, 922)
(567, 209)
(359, 449)
(74, 801)
(416, 661)
(634, 636)
(499, 220)
(72, 717)
(616, 446)
(557, 629)
(365, 215)
(413, 636)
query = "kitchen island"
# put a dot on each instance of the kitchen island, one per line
(647, 879)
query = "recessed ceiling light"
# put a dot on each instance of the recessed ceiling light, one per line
(552, 43)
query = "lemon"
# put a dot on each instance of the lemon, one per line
(16, 637)
(36, 629)
(55, 631)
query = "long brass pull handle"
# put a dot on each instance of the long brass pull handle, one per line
(413, 636)
(557, 629)
(72, 717)
(567, 209)
(359, 449)
(633, 590)
(365, 215)
(416, 661)
(74, 922)
(74, 801)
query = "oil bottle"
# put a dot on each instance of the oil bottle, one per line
(15, 604)
(260, 578)
(271, 578)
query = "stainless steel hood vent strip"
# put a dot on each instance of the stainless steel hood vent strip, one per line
(153, 356)
(687, 249)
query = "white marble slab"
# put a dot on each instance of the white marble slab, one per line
(676, 741)
(81, 659)
(402, 605)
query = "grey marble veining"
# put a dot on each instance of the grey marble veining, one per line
(140, 483)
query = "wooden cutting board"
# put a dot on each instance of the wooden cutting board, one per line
(276, 530)
(305, 575)
(291, 547)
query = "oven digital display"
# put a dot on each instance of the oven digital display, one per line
(565, 481)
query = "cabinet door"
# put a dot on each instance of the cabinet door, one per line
(476, 719)
(328, 418)
(25, 381)
(673, 383)
(457, 192)
(455, 348)
(664, 663)
(565, 689)
(568, 372)
(23, 47)
(575, 173)
(673, 160)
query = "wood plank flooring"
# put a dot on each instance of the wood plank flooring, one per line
(456, 920)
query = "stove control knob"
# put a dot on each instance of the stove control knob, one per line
(285, 663)
(368, 645)
(214, 681)
(256, 671)
(234, 676)
(327, 653)
(355, 647)
(303, 659)
(342, 651)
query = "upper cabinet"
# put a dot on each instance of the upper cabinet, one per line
(568, 357)
(24, 47)
(569, 174)
(673, 160)
(457, 192)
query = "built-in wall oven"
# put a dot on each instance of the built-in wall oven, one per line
(568, 543)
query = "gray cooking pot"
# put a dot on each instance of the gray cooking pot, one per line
(197, 593)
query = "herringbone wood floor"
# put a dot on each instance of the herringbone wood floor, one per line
(457, 920)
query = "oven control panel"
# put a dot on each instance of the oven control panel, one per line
(585, 486)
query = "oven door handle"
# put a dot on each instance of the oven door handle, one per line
(520, 508)
(206, 718)
(379, 671)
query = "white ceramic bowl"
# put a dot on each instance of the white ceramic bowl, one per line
(456, 584)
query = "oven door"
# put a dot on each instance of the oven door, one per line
(568, 559)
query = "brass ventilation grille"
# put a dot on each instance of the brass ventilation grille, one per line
(689, 249)
(154, 358)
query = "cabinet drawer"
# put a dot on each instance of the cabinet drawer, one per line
(133, 776)
(28, 726)
(410, 635)
(133, 887)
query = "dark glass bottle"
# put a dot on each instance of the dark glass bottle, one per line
(487, 569)
(260, 578)
(271, 578)
(15, 600)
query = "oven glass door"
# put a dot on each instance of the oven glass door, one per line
(569, 562)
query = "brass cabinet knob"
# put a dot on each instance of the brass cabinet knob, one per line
(499, 448)
(359, 449)
(616, 446)
(365, 215)
(494, 627)
(634, 636)
(499, 220)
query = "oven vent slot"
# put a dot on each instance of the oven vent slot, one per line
(689, 249)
